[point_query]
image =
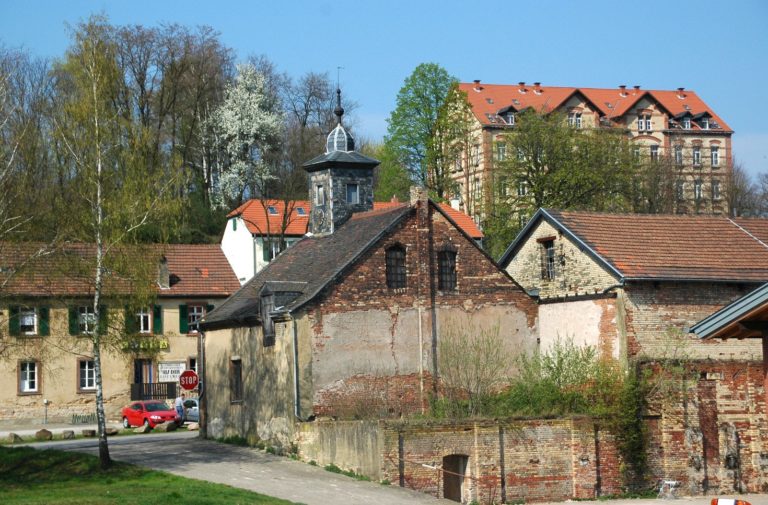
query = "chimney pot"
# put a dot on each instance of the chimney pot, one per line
(537, 84)
(622, 87)
(521, 84)
(636, 86)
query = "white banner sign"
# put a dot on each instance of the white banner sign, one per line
(170, 371)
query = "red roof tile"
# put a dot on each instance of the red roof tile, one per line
(610, 102)
(673, 247)
(254, 216)
(195, 270)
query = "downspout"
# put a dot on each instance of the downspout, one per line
(421, 361)
(296, 391)
(203, 421)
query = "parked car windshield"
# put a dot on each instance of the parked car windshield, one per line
(154, 407)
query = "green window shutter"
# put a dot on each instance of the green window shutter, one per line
(74, 327)
(130, 321)
(13, 321)
(157, 320)
(103, 320)
(265, 249)
(183, 320)
(44, 325)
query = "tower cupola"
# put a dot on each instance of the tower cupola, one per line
(340, 181)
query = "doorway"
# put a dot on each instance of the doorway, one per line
(454, 471)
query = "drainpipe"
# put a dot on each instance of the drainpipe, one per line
(296, 391)
(203, 421)
(421, 361)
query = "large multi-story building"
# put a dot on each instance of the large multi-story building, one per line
(674, 127)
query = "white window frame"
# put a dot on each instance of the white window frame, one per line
(715, 155)
(144, 315)
(716, 190)
(25, 313)
(648, 123)
(705, 123)
(696, 156)
(501, 151)
(680, 190)
(29, 377)
(697, 186)
(574, 119)
(686, 123)
(510, 118)
(86, 382)
(355, 196)
(640, 123)
(194, 314)
(654, 153)
(86, 319)
(678, 155)
(522, 188)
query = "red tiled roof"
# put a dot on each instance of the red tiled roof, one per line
(195, 270)
(610, 102)
(672, 246)
(253, 214)
(260, 221)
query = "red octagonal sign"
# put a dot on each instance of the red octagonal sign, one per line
(188, 379)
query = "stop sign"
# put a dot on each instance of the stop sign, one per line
(188, 379)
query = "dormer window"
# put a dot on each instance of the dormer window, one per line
(272, 210)
(510, 118)
(353, 194)
(686, 122)
(705, 123)
(395, 263)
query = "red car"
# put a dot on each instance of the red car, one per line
(149, 413)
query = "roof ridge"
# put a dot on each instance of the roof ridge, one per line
(747, 232)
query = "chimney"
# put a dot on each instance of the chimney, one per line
(419, 200)
(637, 87)
(537, 88)
(477, 85)
(521, 87)
(163, 274)
(622, 90)
(680, 93)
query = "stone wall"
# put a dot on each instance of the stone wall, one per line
(529, 461)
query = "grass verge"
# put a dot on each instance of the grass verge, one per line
(30, 476)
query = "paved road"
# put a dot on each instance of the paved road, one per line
(183, 453)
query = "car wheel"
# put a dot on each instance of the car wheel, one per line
(125, 423)
(146, 423)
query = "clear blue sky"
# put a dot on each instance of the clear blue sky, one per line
(718, 49)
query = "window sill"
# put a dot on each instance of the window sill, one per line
(29, 393)
(86, 391)
(235, 402)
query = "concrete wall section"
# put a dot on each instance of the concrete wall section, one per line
(350, 445)
(586, 322)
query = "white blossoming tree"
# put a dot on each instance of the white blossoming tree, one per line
(247, 128)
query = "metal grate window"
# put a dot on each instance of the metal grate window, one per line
(446, 264)
(548, 259)
(396, 267)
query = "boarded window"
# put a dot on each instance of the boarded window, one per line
(268, 325)
(446, 264)
(235, 380)
(396, 267)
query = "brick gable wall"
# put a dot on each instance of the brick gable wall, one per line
(373, 347)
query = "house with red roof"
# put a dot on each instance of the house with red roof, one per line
(672, 125)
(259, 230)
(347, 321)
(47, 318)
(632, 286)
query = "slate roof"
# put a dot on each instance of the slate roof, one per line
(610, 102)
(255, 217)
(728, 321)
(195, 270)
(310, 264)
(671, 247)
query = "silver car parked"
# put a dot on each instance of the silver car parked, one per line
(191, 410)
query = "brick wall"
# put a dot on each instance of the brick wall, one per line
(374, 347)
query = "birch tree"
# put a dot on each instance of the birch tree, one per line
(113, 193)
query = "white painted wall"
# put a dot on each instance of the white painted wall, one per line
(577, 320)
(238, 247)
